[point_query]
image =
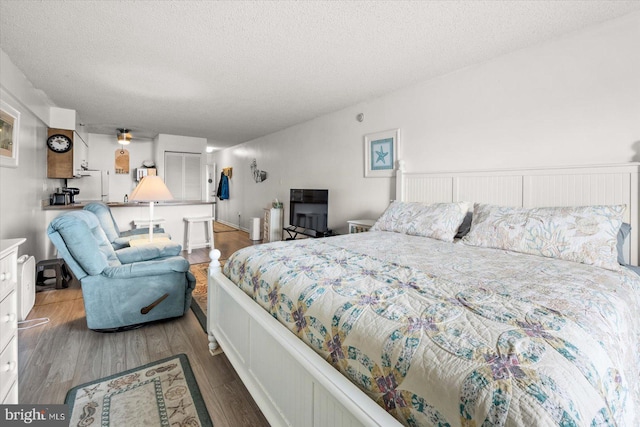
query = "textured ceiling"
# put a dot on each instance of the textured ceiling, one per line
(232, 71)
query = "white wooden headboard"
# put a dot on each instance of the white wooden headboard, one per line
(532, 187)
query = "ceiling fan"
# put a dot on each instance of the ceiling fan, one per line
(124, 137)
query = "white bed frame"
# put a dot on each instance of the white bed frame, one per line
(294, 386)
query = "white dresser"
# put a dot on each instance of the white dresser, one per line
(9, 320)
(273, 224)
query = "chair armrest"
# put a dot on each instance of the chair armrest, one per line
(148, 252)
(140, 231)
(175, 264)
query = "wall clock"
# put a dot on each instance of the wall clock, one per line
(59, 143)
(60, 153)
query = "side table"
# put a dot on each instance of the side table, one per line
(360, 225)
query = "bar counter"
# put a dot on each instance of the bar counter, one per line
(80, 205)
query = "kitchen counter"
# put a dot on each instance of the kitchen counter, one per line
(80, 205)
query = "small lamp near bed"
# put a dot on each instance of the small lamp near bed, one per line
(151, 189)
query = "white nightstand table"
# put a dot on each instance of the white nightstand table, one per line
(360, 225)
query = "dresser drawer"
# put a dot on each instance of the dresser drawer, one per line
(8, 367)
(8, 319)
(8, 273)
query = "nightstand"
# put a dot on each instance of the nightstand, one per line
(360, 225)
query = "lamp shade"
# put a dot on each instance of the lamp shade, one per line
(151, 189)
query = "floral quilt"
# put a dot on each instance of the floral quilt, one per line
(446, 334)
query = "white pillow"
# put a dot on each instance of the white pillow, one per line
(585, 234)
(438, 221)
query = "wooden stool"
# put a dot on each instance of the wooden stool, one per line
(60, 268)
(208, 229)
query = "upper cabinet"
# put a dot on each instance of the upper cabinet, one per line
(80, 153)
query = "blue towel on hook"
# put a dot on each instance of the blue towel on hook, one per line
(223, 187)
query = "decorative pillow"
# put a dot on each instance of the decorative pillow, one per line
(586, 234)
(438, 221)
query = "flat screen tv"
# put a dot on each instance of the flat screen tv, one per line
(309, 210)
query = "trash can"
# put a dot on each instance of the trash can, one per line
(255, 229)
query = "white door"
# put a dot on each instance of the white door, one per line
(211, 186)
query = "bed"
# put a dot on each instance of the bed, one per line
(392, 328)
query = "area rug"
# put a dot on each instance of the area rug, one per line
(199, 294)
(199, 297)
(162, 393)
(200, 271)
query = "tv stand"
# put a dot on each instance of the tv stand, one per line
(293, 232)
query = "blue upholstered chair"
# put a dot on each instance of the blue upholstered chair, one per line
(119, 239)
(126, 287)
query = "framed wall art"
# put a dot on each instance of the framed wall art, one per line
(380, 153)
(9, 133)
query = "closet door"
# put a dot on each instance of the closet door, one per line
(192, 177)
(183, 175)
(173, 173)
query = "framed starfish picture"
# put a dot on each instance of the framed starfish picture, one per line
(380, 153)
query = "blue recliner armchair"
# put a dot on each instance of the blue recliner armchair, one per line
(119, 239)
(123, 288)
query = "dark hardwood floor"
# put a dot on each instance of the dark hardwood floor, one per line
(63, 353)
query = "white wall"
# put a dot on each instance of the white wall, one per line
(23, 188)
(575, 100)
(102, 155)
(102, 152)
(325, 153)
(13, 80)
(572, 101)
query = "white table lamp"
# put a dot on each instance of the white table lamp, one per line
(151, 189)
